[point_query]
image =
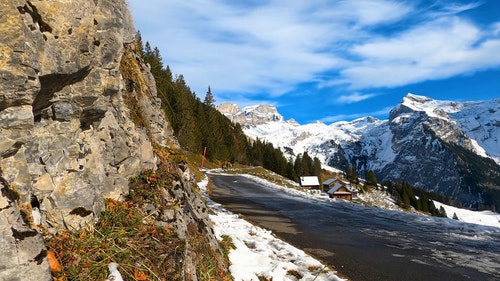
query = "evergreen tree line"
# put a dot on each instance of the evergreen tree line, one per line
(198, 124)
(264, 154)
(304, 165)
(195, 124)
(408, 196)
(405, 194)
(351, 173)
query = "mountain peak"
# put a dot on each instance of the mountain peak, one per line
(444, 146)
(251, 115)
(417, 102)
(431, 107)
(416, 98)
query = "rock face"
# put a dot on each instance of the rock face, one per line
(66, 135)
(79, 116)
(250, 115)
(23, 250)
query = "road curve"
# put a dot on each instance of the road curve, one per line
(366, 243)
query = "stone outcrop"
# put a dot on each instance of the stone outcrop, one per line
(23, 250)
(250, 115)
(228, 109)
(78, 117)
(67, 137)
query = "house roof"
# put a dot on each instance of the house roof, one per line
(329, 181)
(336, 187)
(309, 181)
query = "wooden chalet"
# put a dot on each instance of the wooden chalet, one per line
(329, 183)
(340, 191)
(309, 182)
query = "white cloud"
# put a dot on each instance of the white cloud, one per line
(496, 29)
(371, 12)
(352, 98)
(275, 45)
(341, 117)
(448, 8)
(266, 48)
(436, 50)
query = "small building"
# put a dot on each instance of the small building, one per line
(331, 182)
(340, 191)
(309, 182)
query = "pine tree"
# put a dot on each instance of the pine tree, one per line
(298, 165)
(351, 173)
(370, 177)
(347, 171)
(425, 203)
(442, 212)
(209, 98)
(406, 200)
(307, 164)
(290, 171)
(316, 167)
(138, 37)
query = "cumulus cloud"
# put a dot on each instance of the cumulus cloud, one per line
(251, 47)
(435, 50)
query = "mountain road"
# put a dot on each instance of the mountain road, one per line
(366, 243)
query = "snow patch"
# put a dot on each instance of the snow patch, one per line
(487, 218)
(258, 253)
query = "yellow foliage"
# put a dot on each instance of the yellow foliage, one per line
(55, 265)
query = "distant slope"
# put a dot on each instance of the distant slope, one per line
(444, 146)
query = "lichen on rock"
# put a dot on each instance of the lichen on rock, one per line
(79, 116)
(66, 135)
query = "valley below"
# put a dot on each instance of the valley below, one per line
(366, 243)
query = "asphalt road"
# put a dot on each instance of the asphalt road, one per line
(366, 243)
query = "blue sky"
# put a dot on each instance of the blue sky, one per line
(328, 60)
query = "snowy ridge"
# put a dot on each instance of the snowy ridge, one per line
(251, 115)
(417, 143)
(480, 120)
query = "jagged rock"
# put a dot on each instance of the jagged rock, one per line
(16, 117)
(250, 115)
(23, 249)
(69, 134)
(66, 134)
(228, 109)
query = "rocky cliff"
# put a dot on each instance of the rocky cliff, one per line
(78, 117)
(250, 115)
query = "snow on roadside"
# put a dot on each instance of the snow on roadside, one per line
(258, 253)
(377, 198)
(488, 218)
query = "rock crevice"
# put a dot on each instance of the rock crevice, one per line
(67, 135)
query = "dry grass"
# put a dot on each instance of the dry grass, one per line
(126, 235)
(122, 235)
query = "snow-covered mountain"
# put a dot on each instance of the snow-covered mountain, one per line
(250, 115)
(445, 146)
